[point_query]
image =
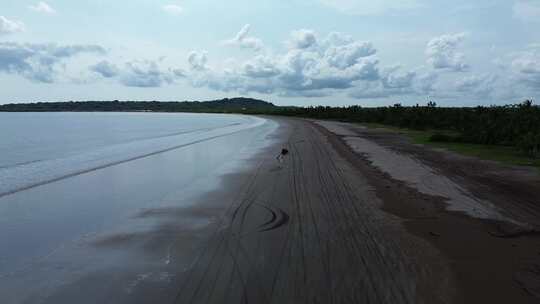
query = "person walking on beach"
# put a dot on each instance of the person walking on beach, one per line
(282, 154)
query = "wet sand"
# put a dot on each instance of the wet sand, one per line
(324, 225)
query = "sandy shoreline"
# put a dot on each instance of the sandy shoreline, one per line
(491, 241)
(312, 228)
(325, 225)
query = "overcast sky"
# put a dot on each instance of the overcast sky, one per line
(301, 52)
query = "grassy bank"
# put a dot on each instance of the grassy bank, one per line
(502, 154)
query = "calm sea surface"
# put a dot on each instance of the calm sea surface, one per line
(66, 177)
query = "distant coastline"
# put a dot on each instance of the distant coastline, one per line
(227, 105)
(515, 126)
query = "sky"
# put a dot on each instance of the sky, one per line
(289, 52)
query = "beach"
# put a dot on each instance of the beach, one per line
(333, 221)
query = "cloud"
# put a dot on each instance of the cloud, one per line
(519, 71)
(42, 7)
(371, 7)
(310, 67)
(39, 62)
(10, 27)
(393, 81)
(260, 67)
(144, 74)
(179, 73)
(137, 73)
(173, 9)
(443, 53)
(394, 78)
(481, 86)
(527, 10)
(244, 41)
(303, 39)
(526, 66)
(369, 91)
(198, 60)
(105, 69)
(68, 50)
(425, 83)
(343, 56)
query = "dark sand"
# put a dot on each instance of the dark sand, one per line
(322, 226)
(493, 261)
(310, 230)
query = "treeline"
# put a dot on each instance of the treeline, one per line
(232, 105)
(511, 125)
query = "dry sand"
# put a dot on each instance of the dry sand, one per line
(484, 217)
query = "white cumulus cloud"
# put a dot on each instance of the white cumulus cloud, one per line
(9, 26)
(260, 67)
(173, 9)
(243, 40)
(482, 86)
(443, 53)
(137, 73)
(303, 39)
(105, 69)
(198, 60)
(43, 7)
(343, 56)
(314, 65)
(40, 62)
(145, 74)
(394, 81)
(395, 78)
(526, 66)
(308, 68)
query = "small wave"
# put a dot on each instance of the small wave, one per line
(20, 164)
(32, 174)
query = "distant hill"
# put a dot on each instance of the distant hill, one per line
(227, 105)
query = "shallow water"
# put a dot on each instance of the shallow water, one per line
(41, 147)
(71, 177)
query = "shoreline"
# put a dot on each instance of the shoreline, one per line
(323, 224)
(263, 227)
(489, 266)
